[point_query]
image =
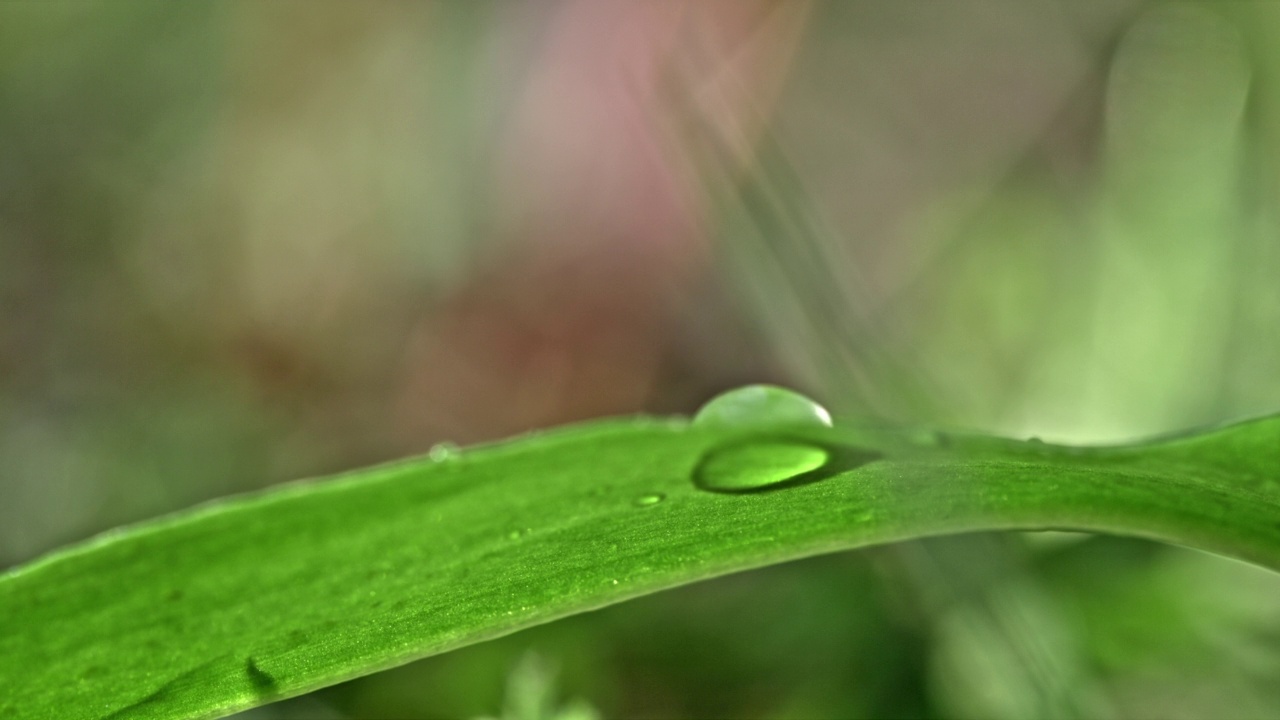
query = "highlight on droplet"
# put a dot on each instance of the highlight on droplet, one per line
(761, 405)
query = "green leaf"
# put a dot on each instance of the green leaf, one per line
(256, 598)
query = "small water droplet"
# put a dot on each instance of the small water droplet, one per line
(649, 500)
(932, 438)
(517, 534)
(760, 465)
(443, 451)
(761, 405)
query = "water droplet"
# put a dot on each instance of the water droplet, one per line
(745, 467)
(649, 500)
(443, 451)
(760, 465)
(762, 405)
(931, 438)
(1038, 445)
(517, 534)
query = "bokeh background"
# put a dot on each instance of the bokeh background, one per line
(247, 242)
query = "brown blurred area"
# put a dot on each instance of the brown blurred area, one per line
(569, 295)
(577, 231)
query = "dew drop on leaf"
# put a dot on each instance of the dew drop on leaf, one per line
(748, 467)
(931, 438)
(776, 463)
(443, 451)
(649, 500)
(761, 405)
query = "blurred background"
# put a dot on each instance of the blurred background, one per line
(247, 242)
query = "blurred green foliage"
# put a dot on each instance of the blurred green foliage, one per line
(246, 242)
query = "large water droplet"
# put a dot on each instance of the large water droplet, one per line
(754, 466)
(761, 405)
(774, 464)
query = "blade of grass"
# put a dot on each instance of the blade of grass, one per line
(257, 598)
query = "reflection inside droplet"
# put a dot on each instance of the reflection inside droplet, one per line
(649, 500)
(773, 464)
(746, 467)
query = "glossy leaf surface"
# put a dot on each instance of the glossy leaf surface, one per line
(256, 598)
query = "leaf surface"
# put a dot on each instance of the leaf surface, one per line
(251, 599)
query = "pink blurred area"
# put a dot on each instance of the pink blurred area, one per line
(582, 316)
(574, 297)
